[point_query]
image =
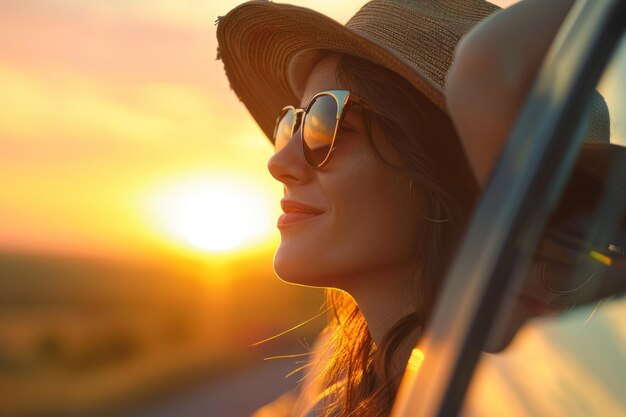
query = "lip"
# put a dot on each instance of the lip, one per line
(296, 212)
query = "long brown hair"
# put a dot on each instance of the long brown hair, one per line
(355, 375)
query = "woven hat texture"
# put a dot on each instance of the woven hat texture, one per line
(262, 44)
(599, 158)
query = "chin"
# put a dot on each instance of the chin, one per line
(303, 270)
(292, 269)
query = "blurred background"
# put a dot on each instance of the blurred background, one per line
(137, 217)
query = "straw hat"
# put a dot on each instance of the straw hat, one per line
(600, 166)
(600, 159)
(268, 50)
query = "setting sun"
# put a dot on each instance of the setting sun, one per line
(216, 215)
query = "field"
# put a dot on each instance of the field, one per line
(83, 336)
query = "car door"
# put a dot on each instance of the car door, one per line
(564, 363)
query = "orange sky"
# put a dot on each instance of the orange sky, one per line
(109, 108)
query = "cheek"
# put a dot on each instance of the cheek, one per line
(371, 224)
(373, 212)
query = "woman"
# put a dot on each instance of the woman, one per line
(377, 185)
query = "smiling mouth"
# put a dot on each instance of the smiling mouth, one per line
(294, 217)
(295, 212)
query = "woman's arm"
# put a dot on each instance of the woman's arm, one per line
(494, 67)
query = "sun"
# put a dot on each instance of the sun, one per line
(215, 219)
(216, 215)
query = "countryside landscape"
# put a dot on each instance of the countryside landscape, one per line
(82, 336)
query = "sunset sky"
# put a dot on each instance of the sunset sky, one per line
(120, 134)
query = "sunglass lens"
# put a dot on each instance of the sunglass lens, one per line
(284, 129)
(319, 129)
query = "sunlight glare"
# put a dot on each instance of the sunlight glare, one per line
(216, 215)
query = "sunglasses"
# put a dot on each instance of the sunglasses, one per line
(318, 123)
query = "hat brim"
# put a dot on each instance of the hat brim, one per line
(602, 162)
(268, 51)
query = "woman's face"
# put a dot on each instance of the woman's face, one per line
(362, 222)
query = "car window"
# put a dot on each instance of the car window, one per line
(571, 362)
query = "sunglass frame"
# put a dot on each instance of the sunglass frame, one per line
(343, 99)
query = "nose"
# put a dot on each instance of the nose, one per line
(288, 165)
